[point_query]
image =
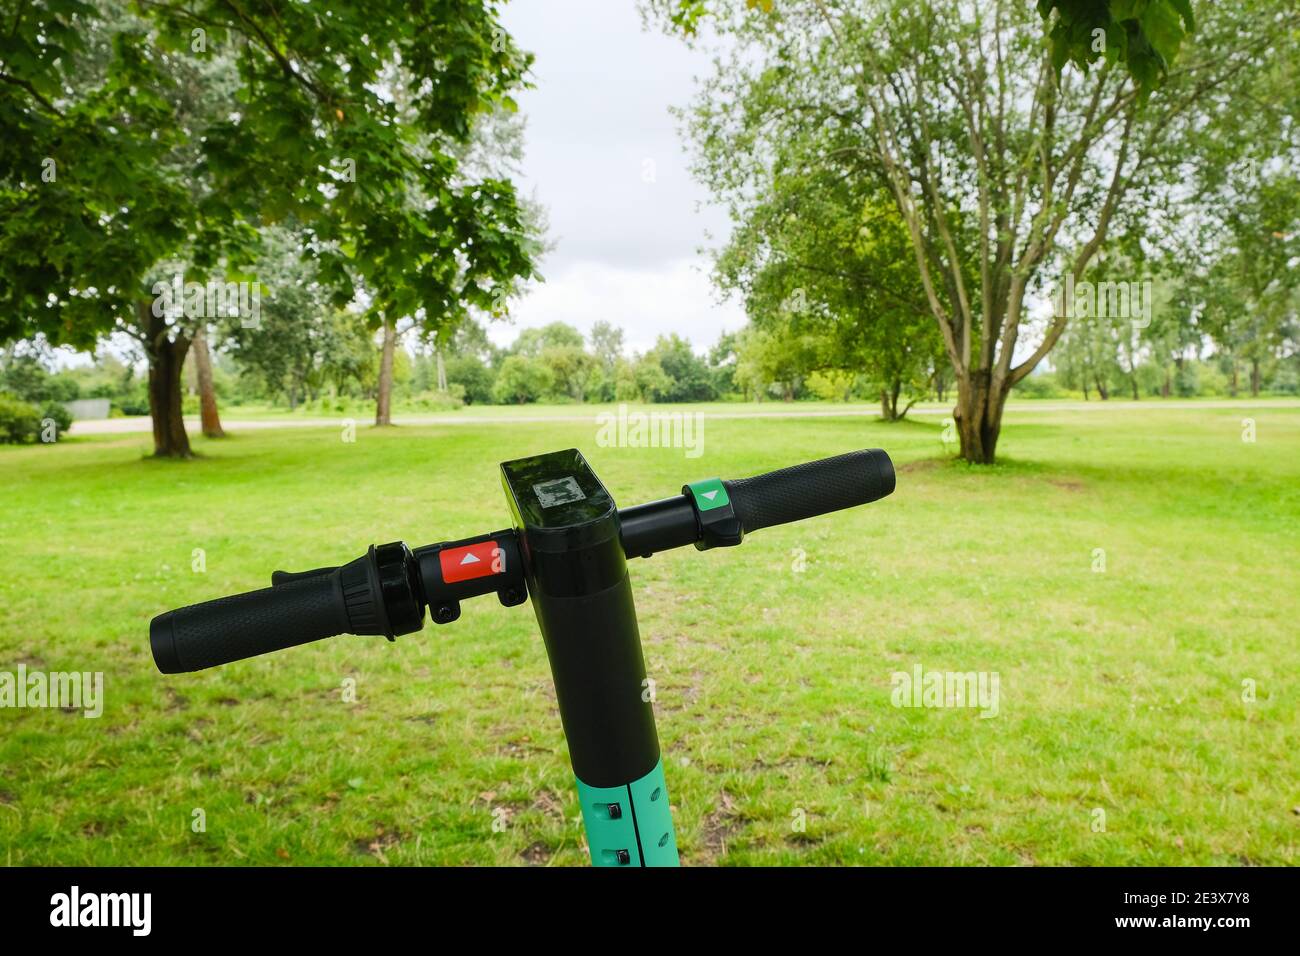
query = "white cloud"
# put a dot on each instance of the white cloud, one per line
(675, 296)
(603, 155)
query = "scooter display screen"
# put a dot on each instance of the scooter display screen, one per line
(556, 490)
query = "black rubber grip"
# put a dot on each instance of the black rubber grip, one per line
(245, 625)
(813, 488)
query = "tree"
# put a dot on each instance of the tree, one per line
(473, 376)
(209, 419)
(532, 342)
(823, 249)
(722, 363)
(642, 379)
(688, 375)
(522, 379)
(493, 151)
(780, 358)
(303, 342)
(982, 141)
(115, 159)
(572, 370)
(607, 345)
(1248, 293)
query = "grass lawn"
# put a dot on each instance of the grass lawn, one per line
(1122, 692)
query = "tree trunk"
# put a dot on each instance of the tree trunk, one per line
(1167, 388)
(383, 410)
(889, 401)
(978, 416)
(207, 395)
(442, 370)
(1102, 391)
(1134, 380)
(166, 361)
(1254, 378)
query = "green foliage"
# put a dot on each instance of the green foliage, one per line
(302, 343)
(533, 342)
(776, 362)
(642, 379)
(522, 379)
(25, 375)
(1005, 174)
(134, 135)
(573, 370)
(20, 421)
(435, 401)
(1144, 35)
(473, 376)
(1039, 385)
(57, 413)
(832, 385)
(688, 376)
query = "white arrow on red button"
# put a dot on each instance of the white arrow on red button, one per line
(471, 561)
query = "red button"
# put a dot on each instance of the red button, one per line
(471, 561)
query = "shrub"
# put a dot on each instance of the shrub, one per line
(435, 401)
(59, 414)
(19, 422)
(521, 380)
(1042, 385)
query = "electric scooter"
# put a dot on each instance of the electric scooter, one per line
(567, 548)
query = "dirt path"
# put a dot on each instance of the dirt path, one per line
(109, 426)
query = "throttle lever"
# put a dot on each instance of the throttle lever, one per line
(284, 577)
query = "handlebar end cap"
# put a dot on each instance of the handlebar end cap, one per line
(162, 641)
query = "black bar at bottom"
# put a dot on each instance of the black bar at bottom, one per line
(935, 907)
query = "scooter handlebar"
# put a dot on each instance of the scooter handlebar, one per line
(245, 625)
(716, 513)
(386, 591)
(812, 488)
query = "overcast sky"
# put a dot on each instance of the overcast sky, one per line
(604, 157)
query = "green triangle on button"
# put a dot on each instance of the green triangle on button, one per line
(709, 494)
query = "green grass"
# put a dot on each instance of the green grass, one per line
(1120, 690)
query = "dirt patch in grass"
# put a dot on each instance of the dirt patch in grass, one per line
(1068, 484)
(549, 803)
(721, 826)
(539, 854)
(920, 465)
(377, 845)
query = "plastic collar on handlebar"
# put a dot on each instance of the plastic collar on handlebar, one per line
(718, 523)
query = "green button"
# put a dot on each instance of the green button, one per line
(709, 494)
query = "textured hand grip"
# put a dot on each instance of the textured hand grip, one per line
(813, 488)
(245, 625)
